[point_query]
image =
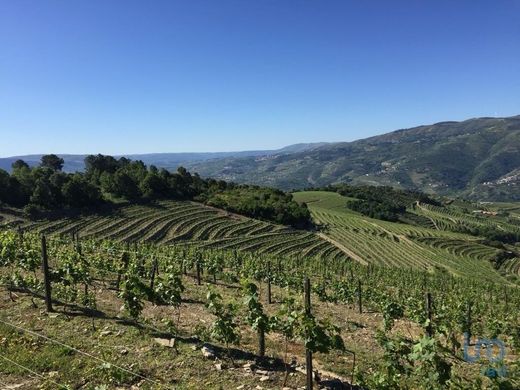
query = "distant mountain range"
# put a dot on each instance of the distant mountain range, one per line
(477, 158)
(75, 162)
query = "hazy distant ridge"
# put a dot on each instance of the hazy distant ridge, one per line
(74, 162)
(478, 158)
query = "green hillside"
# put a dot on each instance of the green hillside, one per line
(436, 247)
(432, 238)
(478, 158)
(170, 222)
(186, 317)
(141, 293)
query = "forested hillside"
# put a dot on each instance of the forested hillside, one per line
(477, 158)
(108, 181)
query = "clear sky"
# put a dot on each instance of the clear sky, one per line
(175, 76)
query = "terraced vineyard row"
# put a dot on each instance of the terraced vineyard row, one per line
(446, 219)
(461, 247)
(511, 266)
(169, 222)
(98, 281)
(397, 244)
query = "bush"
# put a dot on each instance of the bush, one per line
(31, 211)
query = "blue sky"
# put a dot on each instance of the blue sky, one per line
(175, 76)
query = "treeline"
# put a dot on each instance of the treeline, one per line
(109, 180)
(262, 203)
(380, 202)
(46, 187)
(386, 210)
(384, 193)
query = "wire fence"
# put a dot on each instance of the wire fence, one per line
(60, 386)
(79, 351)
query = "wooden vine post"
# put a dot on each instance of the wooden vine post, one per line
(360, 303)
(308, 352)
(78, 249)
(125, 259)
(198, 272)
(269, 282)
(152, 276)
(429, 327)
(468, 320)
(20, 234)
(46, 276)
(261, 342)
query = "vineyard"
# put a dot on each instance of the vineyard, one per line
(428, 242)
(384, 243)
(512, 266)
(199, 195)
(168, 222)
(450, 218)
(185, 316)
(175, 294)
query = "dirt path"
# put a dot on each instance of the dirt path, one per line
(343, 248)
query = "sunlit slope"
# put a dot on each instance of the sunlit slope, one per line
(446, 158)
(374, 241)
(450, 218)
(170, 222)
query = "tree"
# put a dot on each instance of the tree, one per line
(19, 164)
(52, 161)
(78, 192)
(4, 186)
(96, 166)
(43, 195)
(120, 184)
(15, 194)
(153, 186)
(25, 182)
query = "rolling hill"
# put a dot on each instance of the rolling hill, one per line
(74, 162)
(477, 158)
(429, 242)
(112, 307)
(428, 239)
(171, 222)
